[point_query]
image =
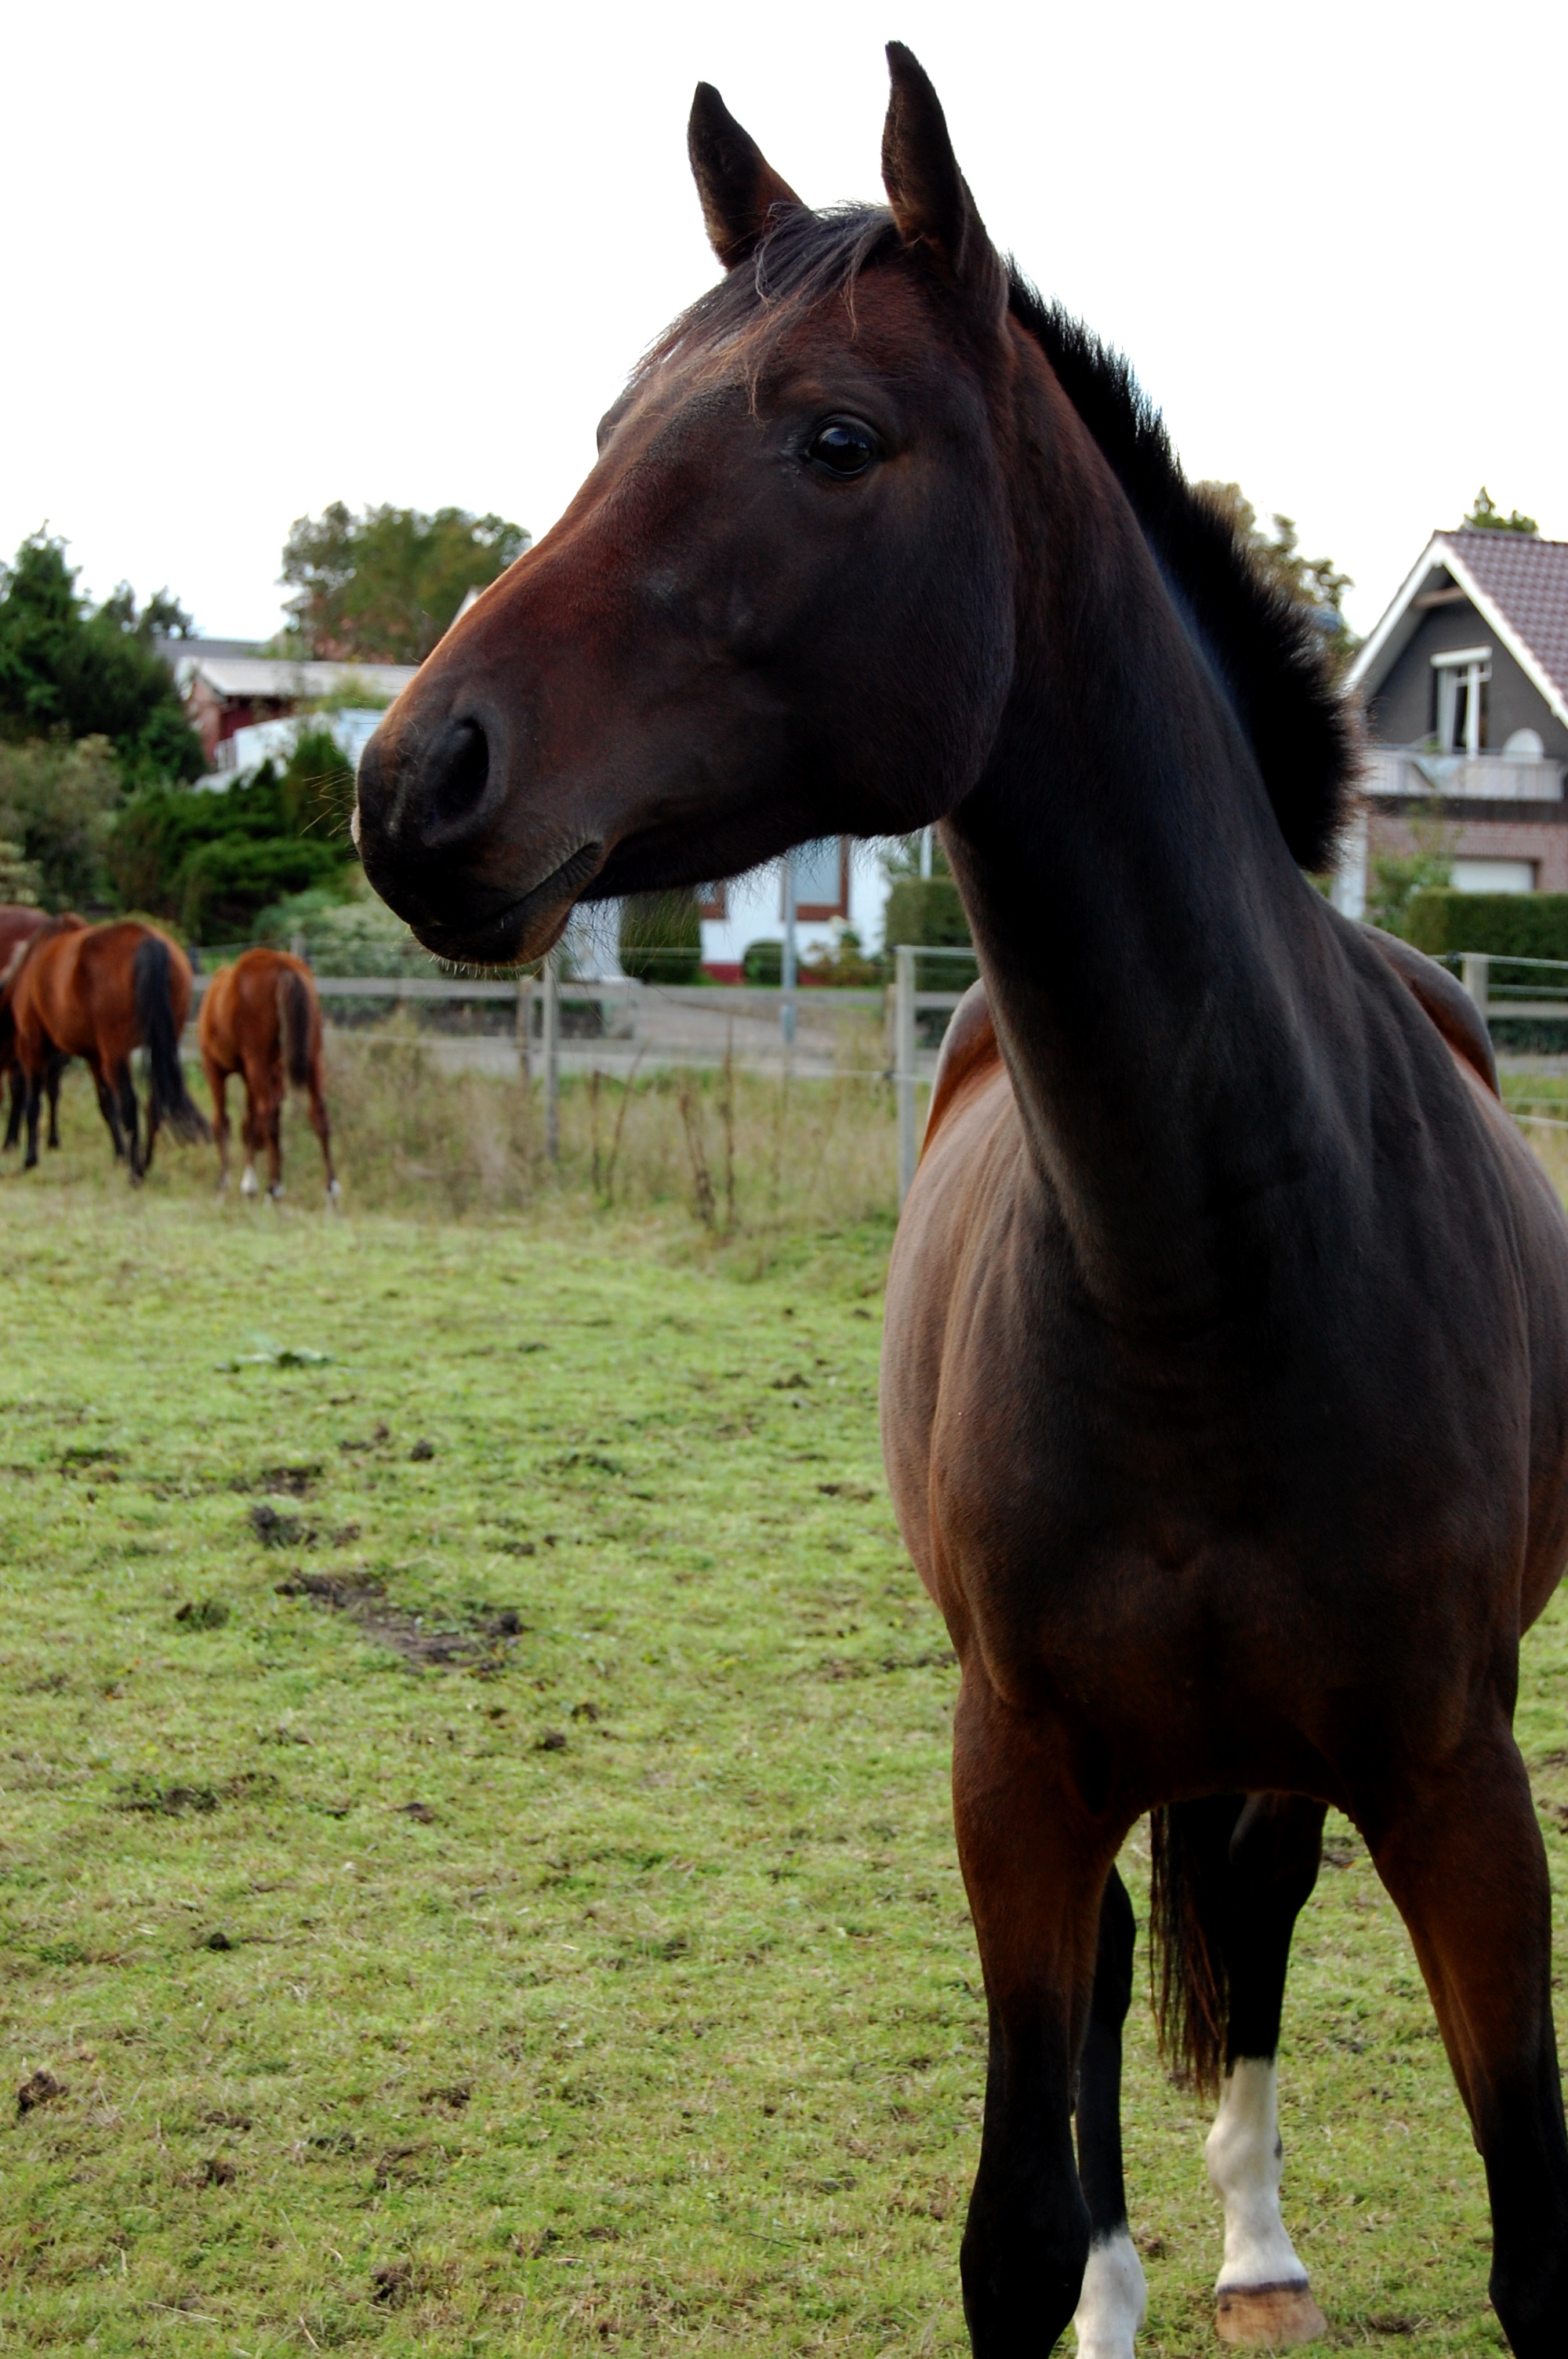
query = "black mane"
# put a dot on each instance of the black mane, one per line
(1265, 644)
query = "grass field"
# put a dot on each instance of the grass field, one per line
(473, 1830)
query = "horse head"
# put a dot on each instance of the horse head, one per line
(779, 607)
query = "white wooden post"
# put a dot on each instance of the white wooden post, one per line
(525, 1028)
(552, 1026)
(787, 960)
(904, 1063)
(1475, 972)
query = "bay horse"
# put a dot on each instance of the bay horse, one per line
(98, 993)
(261, 1018)
(1226, 1368)
(17, 941)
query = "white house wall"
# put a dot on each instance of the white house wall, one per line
(754, 912)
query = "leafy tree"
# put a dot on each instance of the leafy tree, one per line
(57, 805)
(1315, 583)
(382, 587)
(215, 860)
(1485, 518)
(68, 671)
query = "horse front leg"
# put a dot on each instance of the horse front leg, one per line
(1461, 1853)
(1034, 1862)
(34, 1091)
(19, 1081)
(1114, 2297)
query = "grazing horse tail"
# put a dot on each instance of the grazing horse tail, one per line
(1191, 1985)
(167, 1097)
(295, 1026)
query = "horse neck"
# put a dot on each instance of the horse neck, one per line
(1142, 928)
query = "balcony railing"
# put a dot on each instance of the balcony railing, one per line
(1482, 777)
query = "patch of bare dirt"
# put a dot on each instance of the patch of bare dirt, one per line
(481, 1647)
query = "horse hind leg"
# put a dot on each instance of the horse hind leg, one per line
(1233, 1873)
(130, 1119)
(1465, 1864)
(322, 1129)
(52, 1085)
(1263, 2296)
(1114, 2297)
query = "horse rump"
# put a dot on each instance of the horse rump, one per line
(296, 1026)
(167, 1097)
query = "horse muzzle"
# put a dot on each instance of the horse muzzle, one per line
(438, 828)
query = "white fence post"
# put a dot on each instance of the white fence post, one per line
(1475, 972)
(904, 1063)
(552, 1030)
(525, 1028)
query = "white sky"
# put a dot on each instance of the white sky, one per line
(257, 260)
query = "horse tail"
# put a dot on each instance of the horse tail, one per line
(167, 1098)
(296, 1026)
(1188, 1851)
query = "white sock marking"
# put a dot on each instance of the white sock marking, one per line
(1246, 2163)
(248, 1185)
(1114, 2298)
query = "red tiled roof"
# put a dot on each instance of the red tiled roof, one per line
(1526, 579)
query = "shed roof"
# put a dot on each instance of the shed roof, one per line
(1516, 582)
(282, 679)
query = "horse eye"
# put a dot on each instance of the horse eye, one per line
(843, 447)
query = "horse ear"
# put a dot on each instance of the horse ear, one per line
(929, 196)
(738, 186)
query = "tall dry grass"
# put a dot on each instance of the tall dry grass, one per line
(743, 1154)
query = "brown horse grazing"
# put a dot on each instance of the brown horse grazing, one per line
(261, 1018)
(1226, 1377)
(23, 941)
(97, 993)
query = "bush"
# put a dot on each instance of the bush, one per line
(926, 910)
(1506, 924)
(224, 885)
(216, 857)
(661, 938)
(361, 936)
(761, 965)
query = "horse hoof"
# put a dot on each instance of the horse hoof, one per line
(249, 1186)
(334, 1197)
(277, 1193)
(1267, 2318)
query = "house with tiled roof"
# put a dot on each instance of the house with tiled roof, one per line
(1465, 682)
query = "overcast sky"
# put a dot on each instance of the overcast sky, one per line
(257, 260)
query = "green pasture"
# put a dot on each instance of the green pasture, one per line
(474, 1851)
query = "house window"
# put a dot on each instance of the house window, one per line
(710, 902)
(1459, 691)
(821, 879)
(1494, 875)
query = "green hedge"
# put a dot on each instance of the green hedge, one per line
(1507, 925)
(927, 910)
(661, 936)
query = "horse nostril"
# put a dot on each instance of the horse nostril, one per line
(457, 776)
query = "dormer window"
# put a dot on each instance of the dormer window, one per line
(1459, 694)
